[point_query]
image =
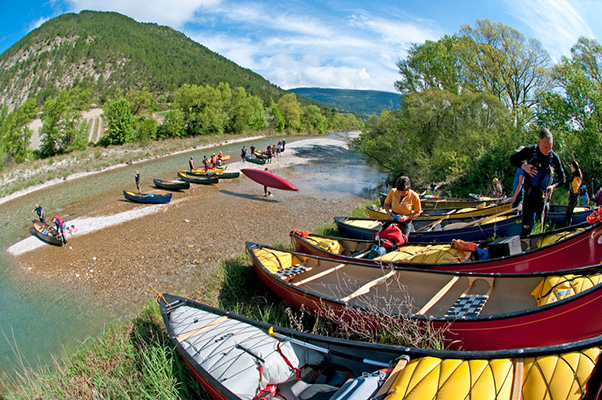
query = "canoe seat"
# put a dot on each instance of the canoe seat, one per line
(289, 273)
(468, 305)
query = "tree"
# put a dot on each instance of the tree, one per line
(246, 112)
(14, 133)
(439, 136)
(173, 125)
(574, 109)
(62, 129)
(120, 122)
(498, 59)
(313, 120)
(430, 65)
(291, 111)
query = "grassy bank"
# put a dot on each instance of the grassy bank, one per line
(136, 360)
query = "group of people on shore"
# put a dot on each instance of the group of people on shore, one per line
(537, 166)
(215, 161)
(270, 152)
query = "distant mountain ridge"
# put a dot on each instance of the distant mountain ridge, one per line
(109, 52)
(360, 102)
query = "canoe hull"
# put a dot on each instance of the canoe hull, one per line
(576, 250)
(197, 179)
(171, 185)
(359, 358)
(268, 179)
(47, 233)
(508, 227)
(575, 318)
(378, 212)
(147, 198)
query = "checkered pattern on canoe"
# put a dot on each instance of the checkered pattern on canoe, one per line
(468, 305)
(290, 272)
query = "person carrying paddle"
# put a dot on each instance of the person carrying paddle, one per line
(537, 161)
(405, 202)
(40, 211)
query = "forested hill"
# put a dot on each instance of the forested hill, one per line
(106, 52)
(355, 101)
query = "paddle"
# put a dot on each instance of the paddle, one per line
(432, 225)
(272, 332)
(460, 225)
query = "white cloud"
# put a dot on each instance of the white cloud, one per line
(556, 23)
(38, 22)
(174, 13)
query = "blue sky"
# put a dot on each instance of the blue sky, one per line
(341, 44)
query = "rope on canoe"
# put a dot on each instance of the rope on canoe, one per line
(159, 295)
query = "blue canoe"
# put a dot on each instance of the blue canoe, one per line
(443, 232)
(147, 197)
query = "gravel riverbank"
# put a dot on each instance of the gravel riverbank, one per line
(121, 250)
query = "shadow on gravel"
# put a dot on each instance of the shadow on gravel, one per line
(258, 197)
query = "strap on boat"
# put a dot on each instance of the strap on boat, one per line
(290, 365)
(386, 387)
(517, 386)
(196, 331)
(366, 288)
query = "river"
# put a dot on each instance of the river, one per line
(42, 316)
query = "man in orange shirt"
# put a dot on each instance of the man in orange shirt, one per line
(404, 202)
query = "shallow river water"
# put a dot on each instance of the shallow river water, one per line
(41, 316)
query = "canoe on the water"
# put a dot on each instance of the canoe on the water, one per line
(219, 175)
(255, 160)
(202, 172)
(566, 248)
(175, 184)
(201, 180)
(237, 358)
(268, 179)
(474, 311)
(47, 233)
(147, 198)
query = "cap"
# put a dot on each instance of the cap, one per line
(190, 156)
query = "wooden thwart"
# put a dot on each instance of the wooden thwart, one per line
(211, 324)
(319, 275)
(366, 288)
(438, 295)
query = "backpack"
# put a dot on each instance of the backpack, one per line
(390, 236)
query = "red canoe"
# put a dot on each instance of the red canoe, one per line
(475, 311)
(567, 248)
(268, 179)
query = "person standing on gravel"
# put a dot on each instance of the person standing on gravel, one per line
(137, 177)
(243, 153)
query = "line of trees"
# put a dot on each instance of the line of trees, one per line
(472, 98)
(191, 110)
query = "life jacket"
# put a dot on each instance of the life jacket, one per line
(544, 170)
(391, 236)
(59, 222)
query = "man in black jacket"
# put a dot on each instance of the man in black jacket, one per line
(537, 161)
